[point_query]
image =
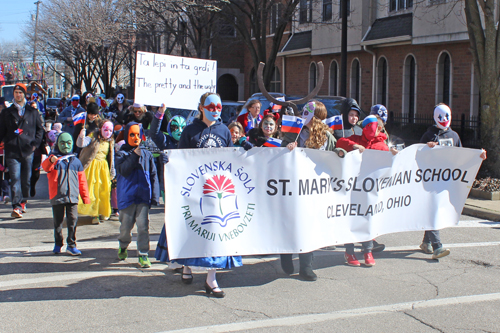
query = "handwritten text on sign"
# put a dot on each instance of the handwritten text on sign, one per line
(176, 81)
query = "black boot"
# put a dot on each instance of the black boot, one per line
(287, 263)
(306, 271)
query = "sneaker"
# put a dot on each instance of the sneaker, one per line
(426, 248)
(439, 253)
(103, 218)
(23, 207)
(73, 251)
(122, 254)
(144, 261)
(351, 260)
(377, 247)
(17, 213)
(6, 199)
(369, 261)
(95, 220)
(57, 249)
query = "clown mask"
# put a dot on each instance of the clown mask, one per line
(120, 98)
(268, 127)
(65, 143)
(212, 107)
(134, 136)
(442, 116)
(176, 127)
(107, 130)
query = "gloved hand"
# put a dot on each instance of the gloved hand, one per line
(113, 173)
(244, 143)
(163, 158)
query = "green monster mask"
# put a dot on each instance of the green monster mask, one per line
(176, 126)
(65, 143)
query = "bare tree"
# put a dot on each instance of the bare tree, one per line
(254, 20)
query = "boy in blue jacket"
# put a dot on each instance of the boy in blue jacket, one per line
(138, 189)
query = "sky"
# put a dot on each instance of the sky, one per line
(13, 16)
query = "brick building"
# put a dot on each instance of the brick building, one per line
(404, 56)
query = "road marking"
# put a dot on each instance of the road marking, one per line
(294, 321)
(477, 224)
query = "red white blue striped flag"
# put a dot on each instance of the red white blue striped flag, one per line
(291, 124)
(272, 142)
(79, 118)
(335, 122)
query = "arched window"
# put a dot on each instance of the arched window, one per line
(382, 81)
(355, 80)
(253, 82)
(312, 76)
(444, 79)
(334, 78)
(276, 80)
(410, 85)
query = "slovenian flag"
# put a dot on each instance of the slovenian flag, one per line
(79, 118)
(291, 124)
(272, 142)
(335, 122)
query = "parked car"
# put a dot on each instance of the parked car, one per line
(263, 101)
(52, 103)
(229, 110)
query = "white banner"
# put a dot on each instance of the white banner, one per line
(176, 81)
(270, 200)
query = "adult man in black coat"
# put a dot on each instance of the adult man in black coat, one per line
(22, 131)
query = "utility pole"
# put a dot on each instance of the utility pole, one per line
(36, 30)
(343, 50)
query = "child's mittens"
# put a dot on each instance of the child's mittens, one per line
(163, 158)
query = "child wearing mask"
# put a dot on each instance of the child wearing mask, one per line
(97, 157)
(67, 181)
(137, 185)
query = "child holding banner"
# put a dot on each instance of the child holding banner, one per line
(371, 138)
(316, 135)
(440, 134)
(207, 132)
(268, 128)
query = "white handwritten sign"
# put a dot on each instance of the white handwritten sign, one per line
(176, 81)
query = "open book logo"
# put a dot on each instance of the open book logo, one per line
(219, 202)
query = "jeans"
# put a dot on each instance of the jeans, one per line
(135, 214)
(20, 176)
(367, 247)
(71, 221)
(432, 236)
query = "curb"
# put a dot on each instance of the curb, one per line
(481, 213)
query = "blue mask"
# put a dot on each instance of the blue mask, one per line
(212, 107)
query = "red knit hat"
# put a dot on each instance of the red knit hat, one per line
(21, 86)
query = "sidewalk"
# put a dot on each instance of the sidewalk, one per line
(483, 209)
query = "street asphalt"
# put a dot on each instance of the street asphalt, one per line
(406, 291)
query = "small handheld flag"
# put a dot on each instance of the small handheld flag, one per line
(79, 118)
(19, 131)
(335, 122)
(291, 124)
(272, 142)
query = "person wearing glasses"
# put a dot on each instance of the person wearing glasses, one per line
(139, 114)
(252, 117)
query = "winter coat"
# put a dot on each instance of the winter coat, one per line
(434, 134)
(137, 180)
(244, 120)
(199, 135)
(119, 116)
(367, 140)
(66, 179)
(20, 134)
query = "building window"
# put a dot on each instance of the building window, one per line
(444, 79)
(334, 78)
(348, 8)
(410, 84)
(276, 80)
(327, 10)
(396, 5)
(275, 17)
(382, 82)
(312, 76)
(228, 29)
(305, 11)
(253, 82)
(355, 80)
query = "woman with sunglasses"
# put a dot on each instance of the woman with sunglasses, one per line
(139, 114)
